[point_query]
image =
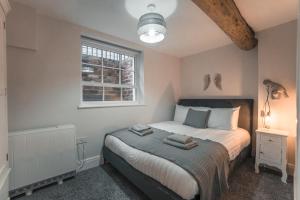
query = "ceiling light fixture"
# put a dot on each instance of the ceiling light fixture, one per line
(152, 26)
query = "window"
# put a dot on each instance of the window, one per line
(110, 74)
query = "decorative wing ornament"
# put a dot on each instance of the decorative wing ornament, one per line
(218, 81)
(207, 81)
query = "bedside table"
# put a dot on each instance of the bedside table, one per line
(271, 150)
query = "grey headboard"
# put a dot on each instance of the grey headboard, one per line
(246, 111)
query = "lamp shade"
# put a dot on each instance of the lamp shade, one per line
(152, 28)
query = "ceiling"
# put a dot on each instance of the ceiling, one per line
(189, 30)
(263, 14)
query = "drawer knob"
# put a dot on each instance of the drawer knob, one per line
(261, 152)
(270, 140)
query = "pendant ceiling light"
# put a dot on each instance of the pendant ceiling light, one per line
(152, 26)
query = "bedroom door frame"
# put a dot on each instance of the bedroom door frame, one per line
(4, 167)
(297, 171)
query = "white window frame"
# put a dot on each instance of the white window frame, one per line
(138, 75)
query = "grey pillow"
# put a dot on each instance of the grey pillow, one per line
(197, 118)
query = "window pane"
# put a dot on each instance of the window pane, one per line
(99, 53)
(91, 59)
(111, 75)
(91, 73)
(112, 94)
(127, 77)
(111, 60)
(107, 74)
(127, 63)
(90, 51)
(95, 52)
(128, 94)
(84, 49)
(92, 93)
(91, 55)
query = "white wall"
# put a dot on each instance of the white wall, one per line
(44, 85)
(237, 67)
(24, 34)
(277, 61)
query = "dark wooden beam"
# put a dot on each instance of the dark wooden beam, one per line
(228, 17)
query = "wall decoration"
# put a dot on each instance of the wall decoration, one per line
(276, 89)
(207, 81)
(218, 81)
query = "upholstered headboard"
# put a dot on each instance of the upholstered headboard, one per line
(246, 111)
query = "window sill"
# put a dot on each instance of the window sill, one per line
(88, 106)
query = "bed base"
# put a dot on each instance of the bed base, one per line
(152, 188)
(149, 186)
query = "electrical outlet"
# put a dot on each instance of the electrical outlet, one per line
(82, 140)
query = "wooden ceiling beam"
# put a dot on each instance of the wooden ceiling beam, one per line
(228, 17)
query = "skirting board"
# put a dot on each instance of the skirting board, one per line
(4, 175)
(90, 162)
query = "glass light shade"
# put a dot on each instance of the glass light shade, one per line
(267, 121)
(152, 33)
(152, 28)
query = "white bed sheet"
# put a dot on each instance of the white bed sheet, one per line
(169, 174)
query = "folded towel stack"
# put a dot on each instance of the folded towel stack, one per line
(181, 141)
(141, 129)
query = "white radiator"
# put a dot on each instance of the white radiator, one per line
(41, 154)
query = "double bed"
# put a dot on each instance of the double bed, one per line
(160, 178)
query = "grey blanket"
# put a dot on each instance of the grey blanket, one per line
(208, 163)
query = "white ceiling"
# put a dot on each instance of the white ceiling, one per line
(189, 30)
(263, 14)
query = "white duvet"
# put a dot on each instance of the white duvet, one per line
(169, 174)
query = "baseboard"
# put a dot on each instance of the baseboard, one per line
(90, 162)
(290, 169)
(4, 175)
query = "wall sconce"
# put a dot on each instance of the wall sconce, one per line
(275, 91)
(266, 113)
(267, 120)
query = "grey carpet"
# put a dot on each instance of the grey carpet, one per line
(106, 183)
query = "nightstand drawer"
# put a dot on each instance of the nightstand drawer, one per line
(270, 139)
(270, 152)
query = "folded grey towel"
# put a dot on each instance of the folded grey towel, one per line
(140, 127)
(141, 133)
(184, 139)
(187, 146)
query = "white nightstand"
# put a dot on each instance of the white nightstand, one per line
(271, 149)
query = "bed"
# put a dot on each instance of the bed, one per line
(160, 178)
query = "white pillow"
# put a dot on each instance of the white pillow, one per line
(181, 112)
(224, 118)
